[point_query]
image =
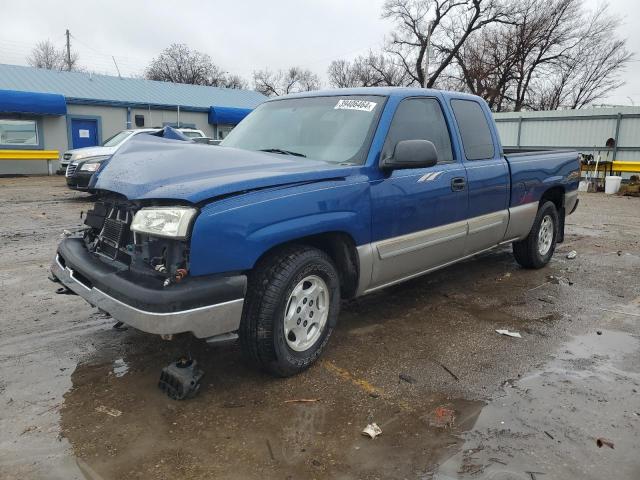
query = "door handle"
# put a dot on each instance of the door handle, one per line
(458, 184)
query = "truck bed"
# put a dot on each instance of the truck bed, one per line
(533, 171)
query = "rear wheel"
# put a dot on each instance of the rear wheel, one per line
(536, 250)
(291, 309)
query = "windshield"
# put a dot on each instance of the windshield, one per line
(116, 139)
(334, 129)
(190, 133)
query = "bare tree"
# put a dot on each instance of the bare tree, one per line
(486, 66)
(283, 82)
(587, 71)
(552, 54)
(372, 70)
(45, 55)
(180, 64)
(441, 26)
(236, 81)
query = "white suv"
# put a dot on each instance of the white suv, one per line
(112, 144)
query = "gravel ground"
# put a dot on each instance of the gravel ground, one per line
(422, 359)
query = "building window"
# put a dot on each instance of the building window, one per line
(223, 131)
(139, 119)
(18, 132)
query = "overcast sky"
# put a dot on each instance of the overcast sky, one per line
(240, 35)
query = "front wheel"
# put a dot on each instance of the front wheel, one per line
(536, 250)
(291, 309)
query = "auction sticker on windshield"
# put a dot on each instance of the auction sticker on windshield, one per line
(362, 105)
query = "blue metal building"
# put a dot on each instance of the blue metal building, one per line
(45, 112)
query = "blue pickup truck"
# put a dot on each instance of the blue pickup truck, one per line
(313, 198)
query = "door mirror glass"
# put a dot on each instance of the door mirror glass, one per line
(411, 154)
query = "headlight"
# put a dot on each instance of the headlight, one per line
(93, 164)
(171, 222)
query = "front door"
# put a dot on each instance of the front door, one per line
(420, 215)
(84, 133)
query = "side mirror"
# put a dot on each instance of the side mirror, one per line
(411, 154)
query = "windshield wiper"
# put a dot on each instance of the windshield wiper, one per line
(283, 152)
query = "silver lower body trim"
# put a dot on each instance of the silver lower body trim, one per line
(521, 220)
(395, 260)
(570, 200)
(203, 322)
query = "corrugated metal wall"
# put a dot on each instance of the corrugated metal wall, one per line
(586, 130)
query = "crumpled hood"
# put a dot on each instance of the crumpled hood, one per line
(156, 168)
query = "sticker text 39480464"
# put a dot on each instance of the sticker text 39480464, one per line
(362, 105)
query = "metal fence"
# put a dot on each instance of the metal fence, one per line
(584, 130)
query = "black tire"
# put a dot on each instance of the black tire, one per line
(526, 251)
(262, 331)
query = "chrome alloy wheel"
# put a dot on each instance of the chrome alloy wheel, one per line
(545, 235)
(306, 314)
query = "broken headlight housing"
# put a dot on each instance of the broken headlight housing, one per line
(168, 222)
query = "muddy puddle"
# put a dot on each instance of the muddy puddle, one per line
(246, 425)
(547, 424)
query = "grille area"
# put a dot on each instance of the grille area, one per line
(114, 232)
(71, 169)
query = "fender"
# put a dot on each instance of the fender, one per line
(231, 235)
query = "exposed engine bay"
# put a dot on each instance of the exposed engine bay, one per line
(109, 236)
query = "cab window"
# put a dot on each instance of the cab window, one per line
(420, 119)
(474, 129)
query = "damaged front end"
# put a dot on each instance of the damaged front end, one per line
(117, 238)
(132, 261)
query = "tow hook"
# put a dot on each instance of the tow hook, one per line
(181, 379)
(65, 291)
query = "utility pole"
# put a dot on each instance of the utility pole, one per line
(426, 55)
(68, 50)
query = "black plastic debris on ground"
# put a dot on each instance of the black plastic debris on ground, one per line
(181, 380)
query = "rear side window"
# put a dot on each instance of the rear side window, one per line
(474, 129)
(420, 119)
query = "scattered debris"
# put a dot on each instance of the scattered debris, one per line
(270, 450)
(443, 417)
(407, 378)
(509, 334)
(604, 442)
(372, 430)
(535, 288)
(112, 412)
(547, 299)
(232, 405)
(495, 460)
(619, 252)
(449, 371)
(119, 326)
(533, 474)
(549, 435)
(303, 400)
(181, 379)
(599, 332)
(29, 429)
(572, 254)
(120, 367)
